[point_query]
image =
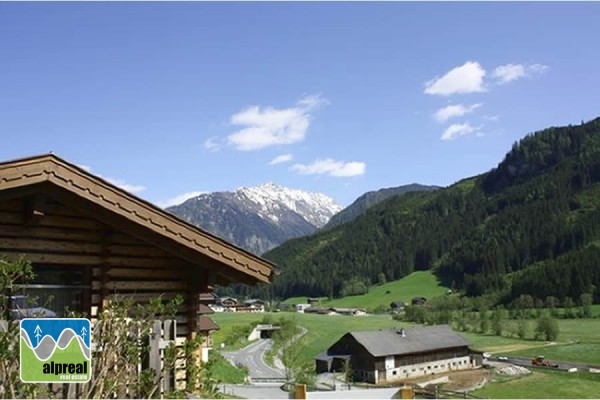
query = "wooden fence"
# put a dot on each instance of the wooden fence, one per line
(163, 334)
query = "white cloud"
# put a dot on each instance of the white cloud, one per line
(455, 130)
(179, 199)
(331, 167)
(124, 185)
(281, 159)
(270, 126)
(212, 144)
(455, 110)
(511, 72)
(135, 189)
(467, 78)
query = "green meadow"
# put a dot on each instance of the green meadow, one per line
(420, 283)
(543, 384)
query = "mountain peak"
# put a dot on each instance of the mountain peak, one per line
(260, 217)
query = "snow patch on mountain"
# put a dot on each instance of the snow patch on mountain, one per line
(271, 200)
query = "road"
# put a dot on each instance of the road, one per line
(252, 357)
(526, 362)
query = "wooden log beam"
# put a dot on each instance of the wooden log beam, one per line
(34, 208)
(134, 286)
(143, 233)
(94, 260)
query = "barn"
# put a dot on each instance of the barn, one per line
(395, 354)
(89, 240)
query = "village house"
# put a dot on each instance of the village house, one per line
(396, 354)
(89, 240)
(229, 304)
(397, 305)
(320, 310)
(302, 307)
(254, 305)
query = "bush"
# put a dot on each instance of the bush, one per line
(547, 328)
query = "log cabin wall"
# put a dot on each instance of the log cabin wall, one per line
(113, 262)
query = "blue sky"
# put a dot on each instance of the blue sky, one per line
(167, 99)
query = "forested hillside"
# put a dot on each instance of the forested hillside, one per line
(370, 199)
(529, 226)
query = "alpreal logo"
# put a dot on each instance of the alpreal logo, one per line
(55, 350)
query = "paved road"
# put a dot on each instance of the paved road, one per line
(252, 356)
(526, 362)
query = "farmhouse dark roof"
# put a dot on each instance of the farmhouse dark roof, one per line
(416, 340)
(68, 180)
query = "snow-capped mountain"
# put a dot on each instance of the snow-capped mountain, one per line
(258, 218)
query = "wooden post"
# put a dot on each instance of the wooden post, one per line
(169, 370)
(104, 267)
(406, 392)
(300, 391)
(154, 353)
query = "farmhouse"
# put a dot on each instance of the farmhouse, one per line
(254, 305)
(395, 354)
(89, 240)
(229, 304)
(320, 310)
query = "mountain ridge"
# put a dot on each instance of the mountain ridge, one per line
(372, 198)
(258, 218)
(531, 226)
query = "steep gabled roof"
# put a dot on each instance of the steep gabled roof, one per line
(27, 174)
(415, 340)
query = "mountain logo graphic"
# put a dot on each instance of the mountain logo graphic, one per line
(55, 350)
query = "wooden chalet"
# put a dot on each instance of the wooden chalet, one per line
(396, 354)
(89, 240)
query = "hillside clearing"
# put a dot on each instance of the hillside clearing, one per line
(420, 283)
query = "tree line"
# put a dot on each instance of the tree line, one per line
(530, 226)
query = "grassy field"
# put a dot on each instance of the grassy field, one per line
(324, 330)
(544, 385)
(420, 283)
(579, 340)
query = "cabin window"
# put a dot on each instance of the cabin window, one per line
(56, 289)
